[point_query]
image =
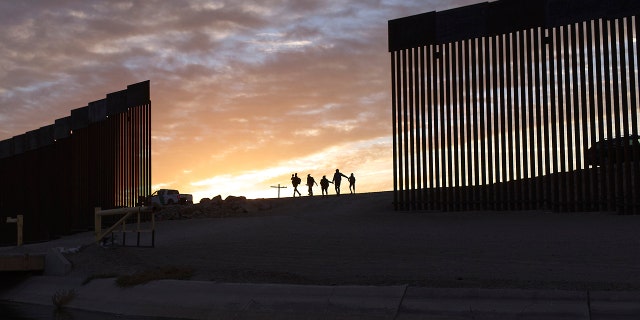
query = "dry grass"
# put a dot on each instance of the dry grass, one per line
(176, 273)
(62, 298)
(99, 276)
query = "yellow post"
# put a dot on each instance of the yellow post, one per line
(126, 213)
(97, 221)
(20, 226)
(19, 221)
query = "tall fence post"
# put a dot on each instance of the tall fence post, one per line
(525, 104)
(19, 221)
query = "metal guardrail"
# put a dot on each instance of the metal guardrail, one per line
(122, 222)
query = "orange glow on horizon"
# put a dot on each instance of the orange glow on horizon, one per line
(243, 95)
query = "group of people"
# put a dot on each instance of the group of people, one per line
(324, 183)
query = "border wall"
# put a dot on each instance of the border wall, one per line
(517, 105)
(99, 156)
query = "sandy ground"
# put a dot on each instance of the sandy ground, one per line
(360, 239)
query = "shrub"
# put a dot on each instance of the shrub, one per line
(62, 297)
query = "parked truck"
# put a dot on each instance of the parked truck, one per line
(165, 197)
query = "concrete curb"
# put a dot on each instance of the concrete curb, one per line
(615, 305)
(495, 304)
(209, 300)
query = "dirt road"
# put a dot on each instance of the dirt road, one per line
(359, 239)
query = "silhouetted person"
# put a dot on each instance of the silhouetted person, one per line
(336, 180)
(324, 185)
(295, 181)
(352, 183)
(310, 182)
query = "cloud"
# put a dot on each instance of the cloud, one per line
(368, 159)
(237, 86)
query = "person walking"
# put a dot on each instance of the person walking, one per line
(352, 183)
(295, 181)
(310, 182)
(337, 177)
(324, 185)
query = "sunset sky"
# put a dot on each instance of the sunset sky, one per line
(244, 93)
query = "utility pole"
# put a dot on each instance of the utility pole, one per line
(279, 187)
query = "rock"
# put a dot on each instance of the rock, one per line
(215, 208)
(217, 200)
(234, 199)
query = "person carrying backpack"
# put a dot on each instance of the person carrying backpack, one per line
(295, 181)
(310, 182)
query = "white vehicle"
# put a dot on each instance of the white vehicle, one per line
(164, 197)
